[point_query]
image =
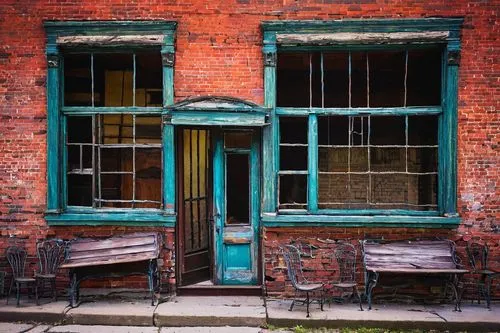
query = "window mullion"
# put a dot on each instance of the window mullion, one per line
(312, 164)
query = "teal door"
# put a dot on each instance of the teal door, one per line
(236, 165)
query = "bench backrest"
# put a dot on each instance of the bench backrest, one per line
(422, 254)
(114, 250)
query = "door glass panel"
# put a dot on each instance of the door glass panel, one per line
(238, 189)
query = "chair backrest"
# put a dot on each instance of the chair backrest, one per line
(478, 255)
(50, 255)
(293, 264)
(345, 254)
(16, 256)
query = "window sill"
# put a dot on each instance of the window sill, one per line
(391, 221)
(96, 218)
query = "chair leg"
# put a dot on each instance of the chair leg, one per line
(322, 299)
(36, 292)
(307, 303)
(54, 290)
(359, 297)
(18, 292)
(10, 290)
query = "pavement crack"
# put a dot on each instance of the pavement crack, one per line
(438, 315)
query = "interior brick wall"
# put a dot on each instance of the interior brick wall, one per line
(218, 52)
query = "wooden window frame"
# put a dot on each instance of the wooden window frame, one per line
(366, 35)
(109, 37)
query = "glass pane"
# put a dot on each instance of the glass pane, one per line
(238, 189)
(293, 158)
(79, 129)
(293, 191)
(148, 176)
(422, 190)
(149, 76)
(332, 190)
(113, 79)
(387, 159)
(116, 129)
(116, 159)
(387, 130)
(390, 188)
(422, 130)
(148, 129)
(422, 159)
(293, 80)
(116, 187)
(77, 80)
(79, 190)
(333, 130)
(424, 77)
(293, 129)
(359, 83)
(333, 159)
(387, 77)
(358, 189)
(238, 140)
(336, 79)
(358, 159)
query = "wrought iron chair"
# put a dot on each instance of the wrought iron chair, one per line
(16, 256)
(50, 256)
(345, 255)
(478, 257)
(294, 267)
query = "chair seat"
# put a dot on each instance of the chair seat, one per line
(309, 286)
(24, 279)
(345, 285)
(46, 276)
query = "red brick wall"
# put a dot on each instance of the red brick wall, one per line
(218, 51)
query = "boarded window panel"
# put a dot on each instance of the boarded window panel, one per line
(293, 88)
(422, 130)
(293, 191)
(387, 130)
(424, 77)
(77, 80)
(387, 77)
(113, 79)
(80, 190)
(149, 78)
(359, 81)
(336, 79)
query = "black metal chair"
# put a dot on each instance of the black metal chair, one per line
(50, 256)
(294, 267)
(345, 255)
(16, 256)
(478, 257)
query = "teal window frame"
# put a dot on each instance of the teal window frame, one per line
(87, 36)
(400, 34)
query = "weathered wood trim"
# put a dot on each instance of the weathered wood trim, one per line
(204, 118)
(108, 40)
(89, 110)
(359, 221)
(169, 176)
(100, 218)
(360, 38)
(416, 110)
(312, 164)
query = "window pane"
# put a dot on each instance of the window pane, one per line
(423, 191)
(422, 130)
(316, 86)
(79, 190)
(333, 159)
(293, 80)
(293, 129)
(293, 143)
(148, 129)
(116, 187)
(148, 177)
(387, 131)
(238, 189)
(387, 77)
(424, 77)
(77, 80)
(333, 190)
(293, 158)
(293, 191)
(149, 76)
(79, 129)
(390, 188)
(422, 159)
(116, 159)
(113, 79)
(116, 129)
(359, 83)
(336, 79)
(387, 159)
(238, 140)
(333, 130)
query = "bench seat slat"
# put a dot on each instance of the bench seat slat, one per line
(416, 270)
(77, 246)
(110, 260)
(112, 251)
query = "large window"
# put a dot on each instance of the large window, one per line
(382, 158)
(110, 159)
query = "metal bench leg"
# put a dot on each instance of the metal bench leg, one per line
(18, 293)
(487, 291)
(355, 290)
(73, 289)
(10, 290)
(307, 305)
(372, 282)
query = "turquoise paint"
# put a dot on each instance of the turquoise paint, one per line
(207, 118)
(169, 176)
(237, 257)
(111, 218)
(89, 110)
(218, 199)
(53, 144)
(64, 162)
(312, 164)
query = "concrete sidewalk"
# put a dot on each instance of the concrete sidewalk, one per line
(245, 311)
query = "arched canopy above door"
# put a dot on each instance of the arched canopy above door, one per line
(217, 111)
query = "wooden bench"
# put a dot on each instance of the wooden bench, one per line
(423, 257)
(129, 254)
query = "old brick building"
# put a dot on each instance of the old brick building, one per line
(339, 120)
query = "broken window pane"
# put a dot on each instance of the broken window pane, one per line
(293, 191)
(293, 80)
(424, 77)
(113, 79)
(359, 80)
(80, 190)
(77, 80)
(387, 78)
(336, 79)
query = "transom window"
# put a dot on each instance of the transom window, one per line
(374, 142)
